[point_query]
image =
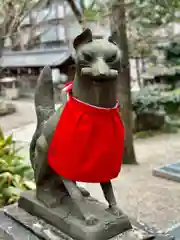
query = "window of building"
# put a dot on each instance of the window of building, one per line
(43, 15)
(48, 34)
(61, 32)
(25, 35)
(53, 11)
(73, 29)
(25, 21)
(67, 9)
(60, 11)
(7, 42)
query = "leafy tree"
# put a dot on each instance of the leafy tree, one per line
(88, 10)
(145, 17)
(155, 13)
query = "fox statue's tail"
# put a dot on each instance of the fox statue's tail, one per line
(44, 106)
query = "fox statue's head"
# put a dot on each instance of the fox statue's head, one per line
(97, 67)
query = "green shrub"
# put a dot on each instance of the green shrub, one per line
(147, 99)
(15, 175)
(154, 98)
(145, 134)
(171, 101)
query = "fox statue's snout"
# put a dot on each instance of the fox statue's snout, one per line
(99, 71)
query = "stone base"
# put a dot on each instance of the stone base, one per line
(169, 172)
(175, 231)
(65, 217)
(17, 224)
(12, 230)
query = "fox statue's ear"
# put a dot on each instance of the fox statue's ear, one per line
(113, 38)
(84, 37)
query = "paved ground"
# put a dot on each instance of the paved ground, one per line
(25, 114)
(147, 198)
(150, 199)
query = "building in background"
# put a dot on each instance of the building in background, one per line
(45, 38)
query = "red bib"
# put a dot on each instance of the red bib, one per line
(88, 142)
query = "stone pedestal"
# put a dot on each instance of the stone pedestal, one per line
(23, 226)
(12, 230)
(65, 216)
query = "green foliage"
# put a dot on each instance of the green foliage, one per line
(158, 100)
(144, 18)
(147, 99)
(172, 53)
(93, 10)
(15, 175)
(153, 98)
(170, 101)
(170, 121)
(145, 134)
(167, 128)
(154, 13)
(168, 71)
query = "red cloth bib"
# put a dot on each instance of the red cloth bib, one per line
(88, 142)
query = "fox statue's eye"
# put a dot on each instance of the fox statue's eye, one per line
(87, 57)
(111, 58)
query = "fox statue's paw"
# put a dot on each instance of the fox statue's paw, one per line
(91, 219)
(84, 192)
(115, 211)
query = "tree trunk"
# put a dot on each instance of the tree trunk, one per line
(124, 83)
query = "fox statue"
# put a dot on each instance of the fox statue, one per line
(83, 140)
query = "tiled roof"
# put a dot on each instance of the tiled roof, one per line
(35, 58)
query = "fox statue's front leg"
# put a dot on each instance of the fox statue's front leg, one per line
(110, 198)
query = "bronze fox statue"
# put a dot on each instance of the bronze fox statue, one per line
(97, 68)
